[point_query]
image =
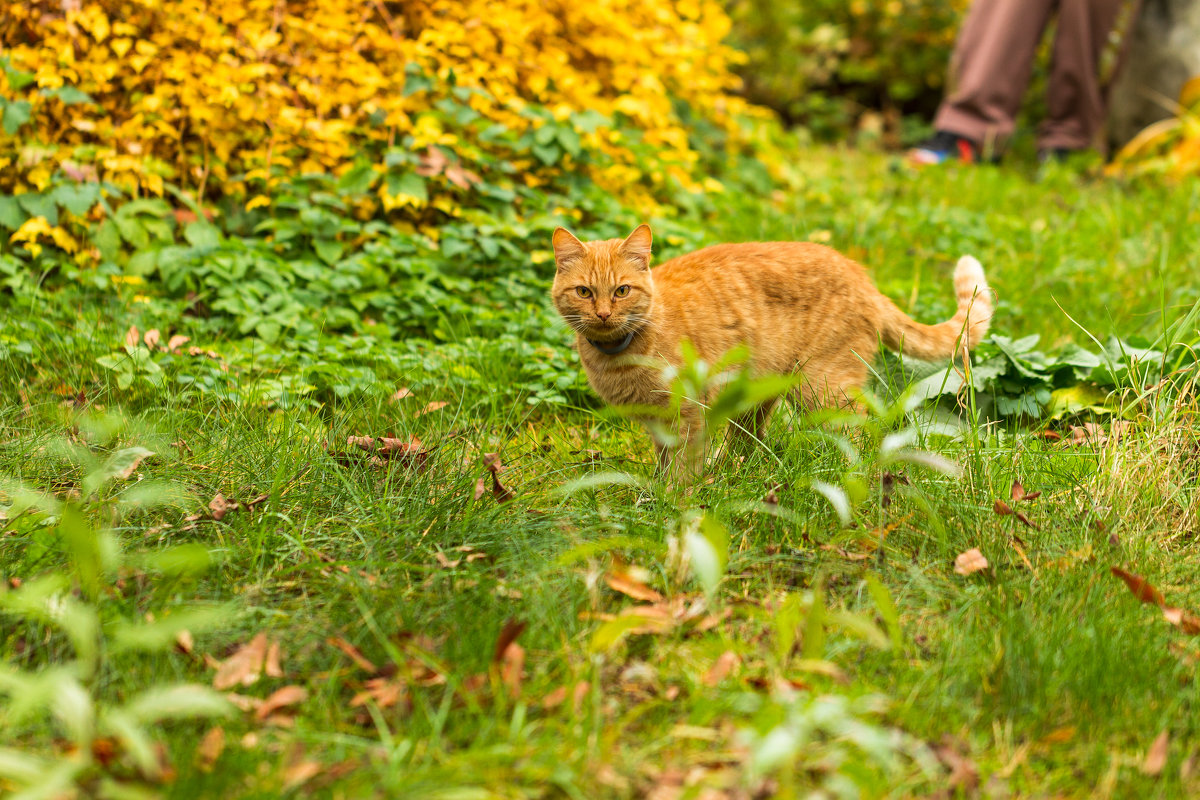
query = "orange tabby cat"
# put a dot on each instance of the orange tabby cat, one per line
(798, 306)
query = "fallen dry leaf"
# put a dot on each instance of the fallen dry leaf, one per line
(480, 488)
(431, 407)
(1186, 621)
(256, 657)
(508, 634)
(721, 668)
(300, 773)
(1141, 589)
(1156, 756)
(218, 507)
(184, 642)
(271, 666)
(446, 562)
(620, 580)
(386, 448)
(559, 695)
(512, 667)
(1004, 509)
(400, 394)
(355, 654)
(964, 774)
(152, 338)
(281, 698)
(133, 337)
(1019, 493)
(244, 666)
(210, 748)
(970, 562)
(499, 491)
(176, 342)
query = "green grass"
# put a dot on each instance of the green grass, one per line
(1043, 670)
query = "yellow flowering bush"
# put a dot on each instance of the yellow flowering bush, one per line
(221, 97)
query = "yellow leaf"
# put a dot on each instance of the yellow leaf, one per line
(258, 202)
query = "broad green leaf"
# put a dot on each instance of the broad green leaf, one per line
(69, 95)
(184, 701)
(160, 634)
(143, 262)
(329, 250)
(16, 113)
(39, 205)
(132, 231)
(11, 214)
(409, 184)
(202, 234)
(78, 198)
(119, 464)
(358, 180)
(707, 544)
(107, 240)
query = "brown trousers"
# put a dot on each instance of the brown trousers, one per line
(993, 59)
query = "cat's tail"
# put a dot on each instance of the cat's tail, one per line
(966, 329)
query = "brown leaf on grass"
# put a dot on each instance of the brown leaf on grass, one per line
(271, 667)
(964, 775)
(508, 634)
(1019, 493)
(1004, 509)
(446, 562)
(1186, 621)
(512, 666)
(176, 342)
(218, 507)
(133, 337)
(184, 642)
(411, 452)
(400, 394)
(386, 693)
(355, 654)
(361, 442)
(152, 338)
(721, 668)
(970, 562)
(431, 407)
(559, 696)
(1141, 589)
(1156, 756)
(244, 666)
(300, 773)
(620, 579)
(499, 491)
(281, 698)
(210, 748)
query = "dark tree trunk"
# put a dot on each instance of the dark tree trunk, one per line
(1164, 52)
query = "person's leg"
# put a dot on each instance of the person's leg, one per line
(993, 58)
(1074, 98)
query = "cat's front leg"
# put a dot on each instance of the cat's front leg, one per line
(683, 459)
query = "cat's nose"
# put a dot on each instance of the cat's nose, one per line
(604, 315)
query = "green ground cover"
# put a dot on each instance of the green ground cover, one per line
(794, 624)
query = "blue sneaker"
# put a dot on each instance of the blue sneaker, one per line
(943, 146)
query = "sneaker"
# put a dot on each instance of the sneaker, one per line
(943, 146)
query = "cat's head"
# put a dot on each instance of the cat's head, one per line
(603, 289)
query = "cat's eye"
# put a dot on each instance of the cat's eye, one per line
(621, 291)
(583, 291)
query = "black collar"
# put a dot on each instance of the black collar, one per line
(611, 348)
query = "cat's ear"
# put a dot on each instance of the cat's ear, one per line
(566, 248)
(636, 246)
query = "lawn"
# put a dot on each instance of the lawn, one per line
(412, 622)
